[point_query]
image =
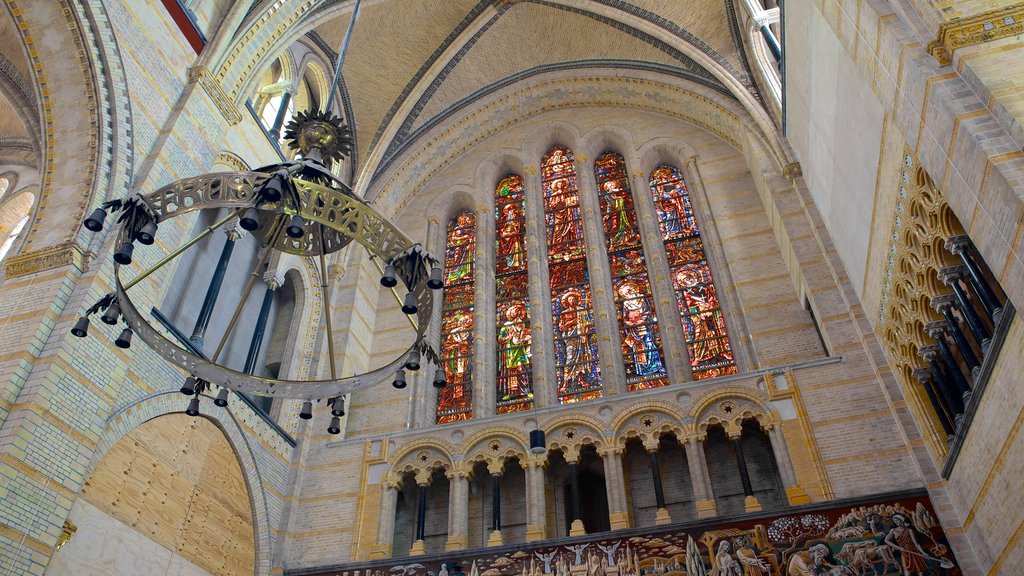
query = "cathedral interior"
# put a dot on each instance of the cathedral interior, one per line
(716, 287)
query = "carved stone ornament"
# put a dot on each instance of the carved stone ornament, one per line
(973, 30)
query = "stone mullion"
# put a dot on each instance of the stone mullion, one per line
(609, 345)
(484, 322)
(458, 509)
(618, 515)
(386, 518)
(670, 322)
(542, 360)
(744, 354)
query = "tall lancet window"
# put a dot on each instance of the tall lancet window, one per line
(706, 339)
(455, 401)
(513, 300)
(638, 326)
(572, 310)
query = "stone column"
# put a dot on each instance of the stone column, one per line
(576, 527)
(662, 515)
(484, 322)
(609, 343)
(615, 484)
(382, 548)
(673, 341)
(937, 330)
(213, 290)
(419, 547)
(750, 502)
(535, 498)
(950, 276)
(944, 305)
(458, 509)
(496, 471)
(275, 129)
(954, 401)
(924, 377)
(700, 479)
(958, 246)
(274, 281)
(795, 493)
(545, 387)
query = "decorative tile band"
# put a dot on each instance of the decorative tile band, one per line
(974, 30)
(45, 259)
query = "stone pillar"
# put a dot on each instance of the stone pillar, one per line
(750, 503)
(545, 387)
(700, 479)
(282, 110)
(213, 290)
(382, 548)
(458, 509)
(618, 515)
(924, 377)
(609, 343)
(956, 376)
(662, 515)
(673, 340)
(576, 527)
(944, 305)
(795, 493)
(951, 276)
(496, 471)
(954, 401)
(484, 321)
(535, 498)
(419, 547)
(958, 246)
(256, 342)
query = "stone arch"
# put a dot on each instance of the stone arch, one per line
(495, 446)
(632, 422)
(607, 138)
(422, 456)
(498, 165)
(556, 133)
(661, 151)
(729, 406)
(158, 404)
(16, 219)
(571, 432)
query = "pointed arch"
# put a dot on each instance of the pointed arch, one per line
(455, 401)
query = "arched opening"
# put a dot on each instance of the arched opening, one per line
(592, 505)
(677, 488)
(741, 468)
(170, 494)
(434, 498)
(14, 216)
(511, 504)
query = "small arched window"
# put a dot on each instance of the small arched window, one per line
(578, 372)
(455, 401)
(13, 217)
(638, 326)
(515, 390)
(704, 326)
(273, 94)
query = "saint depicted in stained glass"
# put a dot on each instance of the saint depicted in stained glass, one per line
(514, 390)
(638, 325)
(576, 356)
(454, 401)
(704, 326)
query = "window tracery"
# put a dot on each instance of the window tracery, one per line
(515, 391)
(638, 325)
(578, 373)
(455, 401)
(707, 340)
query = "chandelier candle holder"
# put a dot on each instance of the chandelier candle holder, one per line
(297, 207)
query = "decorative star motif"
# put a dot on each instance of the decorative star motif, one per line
(495, 446)
(570, 434)
(648, 422)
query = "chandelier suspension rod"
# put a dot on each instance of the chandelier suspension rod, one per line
(248, 287)
(394, 292)
(341, 57)
(327, 304)
(209, 230)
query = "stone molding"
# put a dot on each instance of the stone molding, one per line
(44, 259)
(973, 30)
(213, 89)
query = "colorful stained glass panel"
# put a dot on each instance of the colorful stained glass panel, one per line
(455, 401)
(514, 340)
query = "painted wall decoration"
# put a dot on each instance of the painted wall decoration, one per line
(638, 325)
(455, 401)
(515, 391)
(888, 537)
(572, 309)
(704, 326)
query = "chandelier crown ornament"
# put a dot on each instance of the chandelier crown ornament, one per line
(320, 136)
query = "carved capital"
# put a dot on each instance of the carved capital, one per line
(942, 303)
(213, 89)
(985, 27)
(935, 329)
(951, 274)
(922, 374)
(957, 244)
(928, 353)
(792, 170)
(45, 259)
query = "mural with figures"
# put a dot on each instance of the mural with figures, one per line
(896, 537)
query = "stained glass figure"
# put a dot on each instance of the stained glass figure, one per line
(514, 387)
(455, 401)
(576, 359)
(706, 339)
(638, 325)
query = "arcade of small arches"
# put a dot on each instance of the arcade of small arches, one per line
(596, 474)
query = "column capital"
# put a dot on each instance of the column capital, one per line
(922, 374)
(610, 451)
(928, 353)
(537, 461)
(950, 274)
(957, 244)
(391, 481)
(935, 329)
(234, 230)
(423, 478)
(942, 303)
(734, 433)
(651, 445)
(496, 468)
(274, 280)
(458, 472)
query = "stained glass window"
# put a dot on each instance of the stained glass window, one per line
(706, 339)
(638, 327)
(572, 312)
(515, 391)
(455, 401)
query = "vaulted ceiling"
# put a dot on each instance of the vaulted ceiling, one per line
(411, 63)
